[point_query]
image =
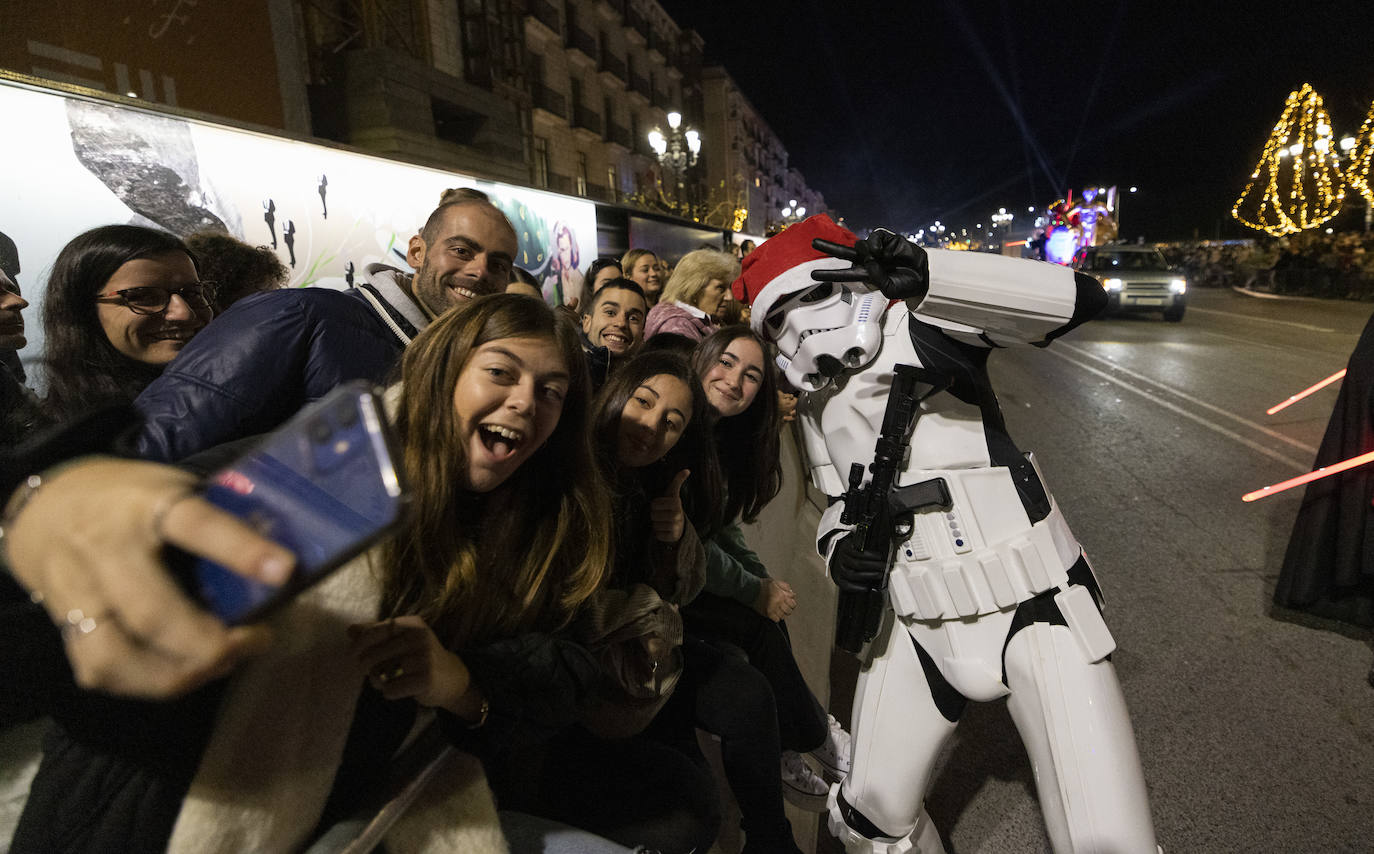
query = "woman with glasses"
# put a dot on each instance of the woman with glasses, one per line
(122, 301)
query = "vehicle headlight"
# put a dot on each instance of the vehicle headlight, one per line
(1178, 286)
(1112, 284)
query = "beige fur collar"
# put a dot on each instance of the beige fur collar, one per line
(270, 764)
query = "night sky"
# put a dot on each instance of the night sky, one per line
(903, 113)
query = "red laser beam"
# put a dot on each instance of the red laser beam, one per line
(1324, 471)
(1305, 392)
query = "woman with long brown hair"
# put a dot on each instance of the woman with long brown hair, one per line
(652, 435)
(492, 419)
(508, 537)
(742, 607)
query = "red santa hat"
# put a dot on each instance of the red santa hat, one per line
(783, 264)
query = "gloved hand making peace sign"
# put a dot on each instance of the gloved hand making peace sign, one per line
(891, 263)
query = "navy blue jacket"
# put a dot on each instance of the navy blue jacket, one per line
(255, 365)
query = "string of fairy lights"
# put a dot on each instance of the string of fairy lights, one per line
(1357, 171)
(1298, 182)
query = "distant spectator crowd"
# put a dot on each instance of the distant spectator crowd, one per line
(1335, 266)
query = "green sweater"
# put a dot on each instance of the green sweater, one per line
(733, 569)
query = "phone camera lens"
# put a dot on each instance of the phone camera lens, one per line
(320, 432)
(347, 413)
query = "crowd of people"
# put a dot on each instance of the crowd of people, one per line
(1336, 266)
(569, 599)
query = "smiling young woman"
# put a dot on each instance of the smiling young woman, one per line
(122, 301)
(494, 401)
(464, 611)
(743, 608)
(651, 430)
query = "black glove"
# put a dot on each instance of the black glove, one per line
(856, 570)
(889, 262)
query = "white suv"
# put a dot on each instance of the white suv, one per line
(1136, 278)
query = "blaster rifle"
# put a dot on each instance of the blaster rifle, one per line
(866, 508)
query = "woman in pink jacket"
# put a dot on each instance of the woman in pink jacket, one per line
(698, 287)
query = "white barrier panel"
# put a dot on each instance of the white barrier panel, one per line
(70, 164)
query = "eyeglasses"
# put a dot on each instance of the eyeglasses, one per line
(150, 300)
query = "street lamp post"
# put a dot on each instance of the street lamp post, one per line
(1001, 220)
(1120, 235)
(676, 150)
(793, 212)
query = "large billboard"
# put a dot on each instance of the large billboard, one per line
(71, 164)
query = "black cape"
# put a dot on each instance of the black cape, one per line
(1328, 569)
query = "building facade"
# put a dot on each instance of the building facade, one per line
(746, 163)
(553, 94)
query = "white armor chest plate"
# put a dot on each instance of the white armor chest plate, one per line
(982, 554)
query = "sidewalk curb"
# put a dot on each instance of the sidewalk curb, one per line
(1246, 292)
(1262, 295)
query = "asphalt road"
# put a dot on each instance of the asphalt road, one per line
(1255, 728)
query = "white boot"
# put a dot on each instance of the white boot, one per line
(833, 755)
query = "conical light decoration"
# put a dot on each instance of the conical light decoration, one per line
(1297, 183)
(1357, 170)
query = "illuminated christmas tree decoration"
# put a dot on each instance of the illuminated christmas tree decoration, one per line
(1357, 170)
(1295, 186)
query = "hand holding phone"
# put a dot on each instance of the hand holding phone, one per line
(324, 485)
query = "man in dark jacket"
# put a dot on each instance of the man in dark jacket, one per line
(272, 353)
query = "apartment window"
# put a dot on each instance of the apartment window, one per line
(541, 161)
(613, 180)
(569, 19)
(474, 25)
(582, 173)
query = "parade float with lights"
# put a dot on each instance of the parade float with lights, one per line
(1069, 225)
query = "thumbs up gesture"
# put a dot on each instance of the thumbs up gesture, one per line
(666, 511)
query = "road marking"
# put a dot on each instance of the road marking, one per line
(1172, 407)
(1306, 326)
(1282, 348)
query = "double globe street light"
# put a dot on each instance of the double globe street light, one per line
(676, 150)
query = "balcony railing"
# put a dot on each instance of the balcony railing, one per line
(620, 135)
(550, 101)
(545, 13)
(640, 84)
(584, 117)
(612, 63)
(600, 193)
(561, 183)
(580, 39)
(634, 19)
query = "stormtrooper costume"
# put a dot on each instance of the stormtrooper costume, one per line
(988, 595)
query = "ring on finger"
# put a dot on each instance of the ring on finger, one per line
(78, 623)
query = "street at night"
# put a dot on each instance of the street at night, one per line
(1254, 726)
